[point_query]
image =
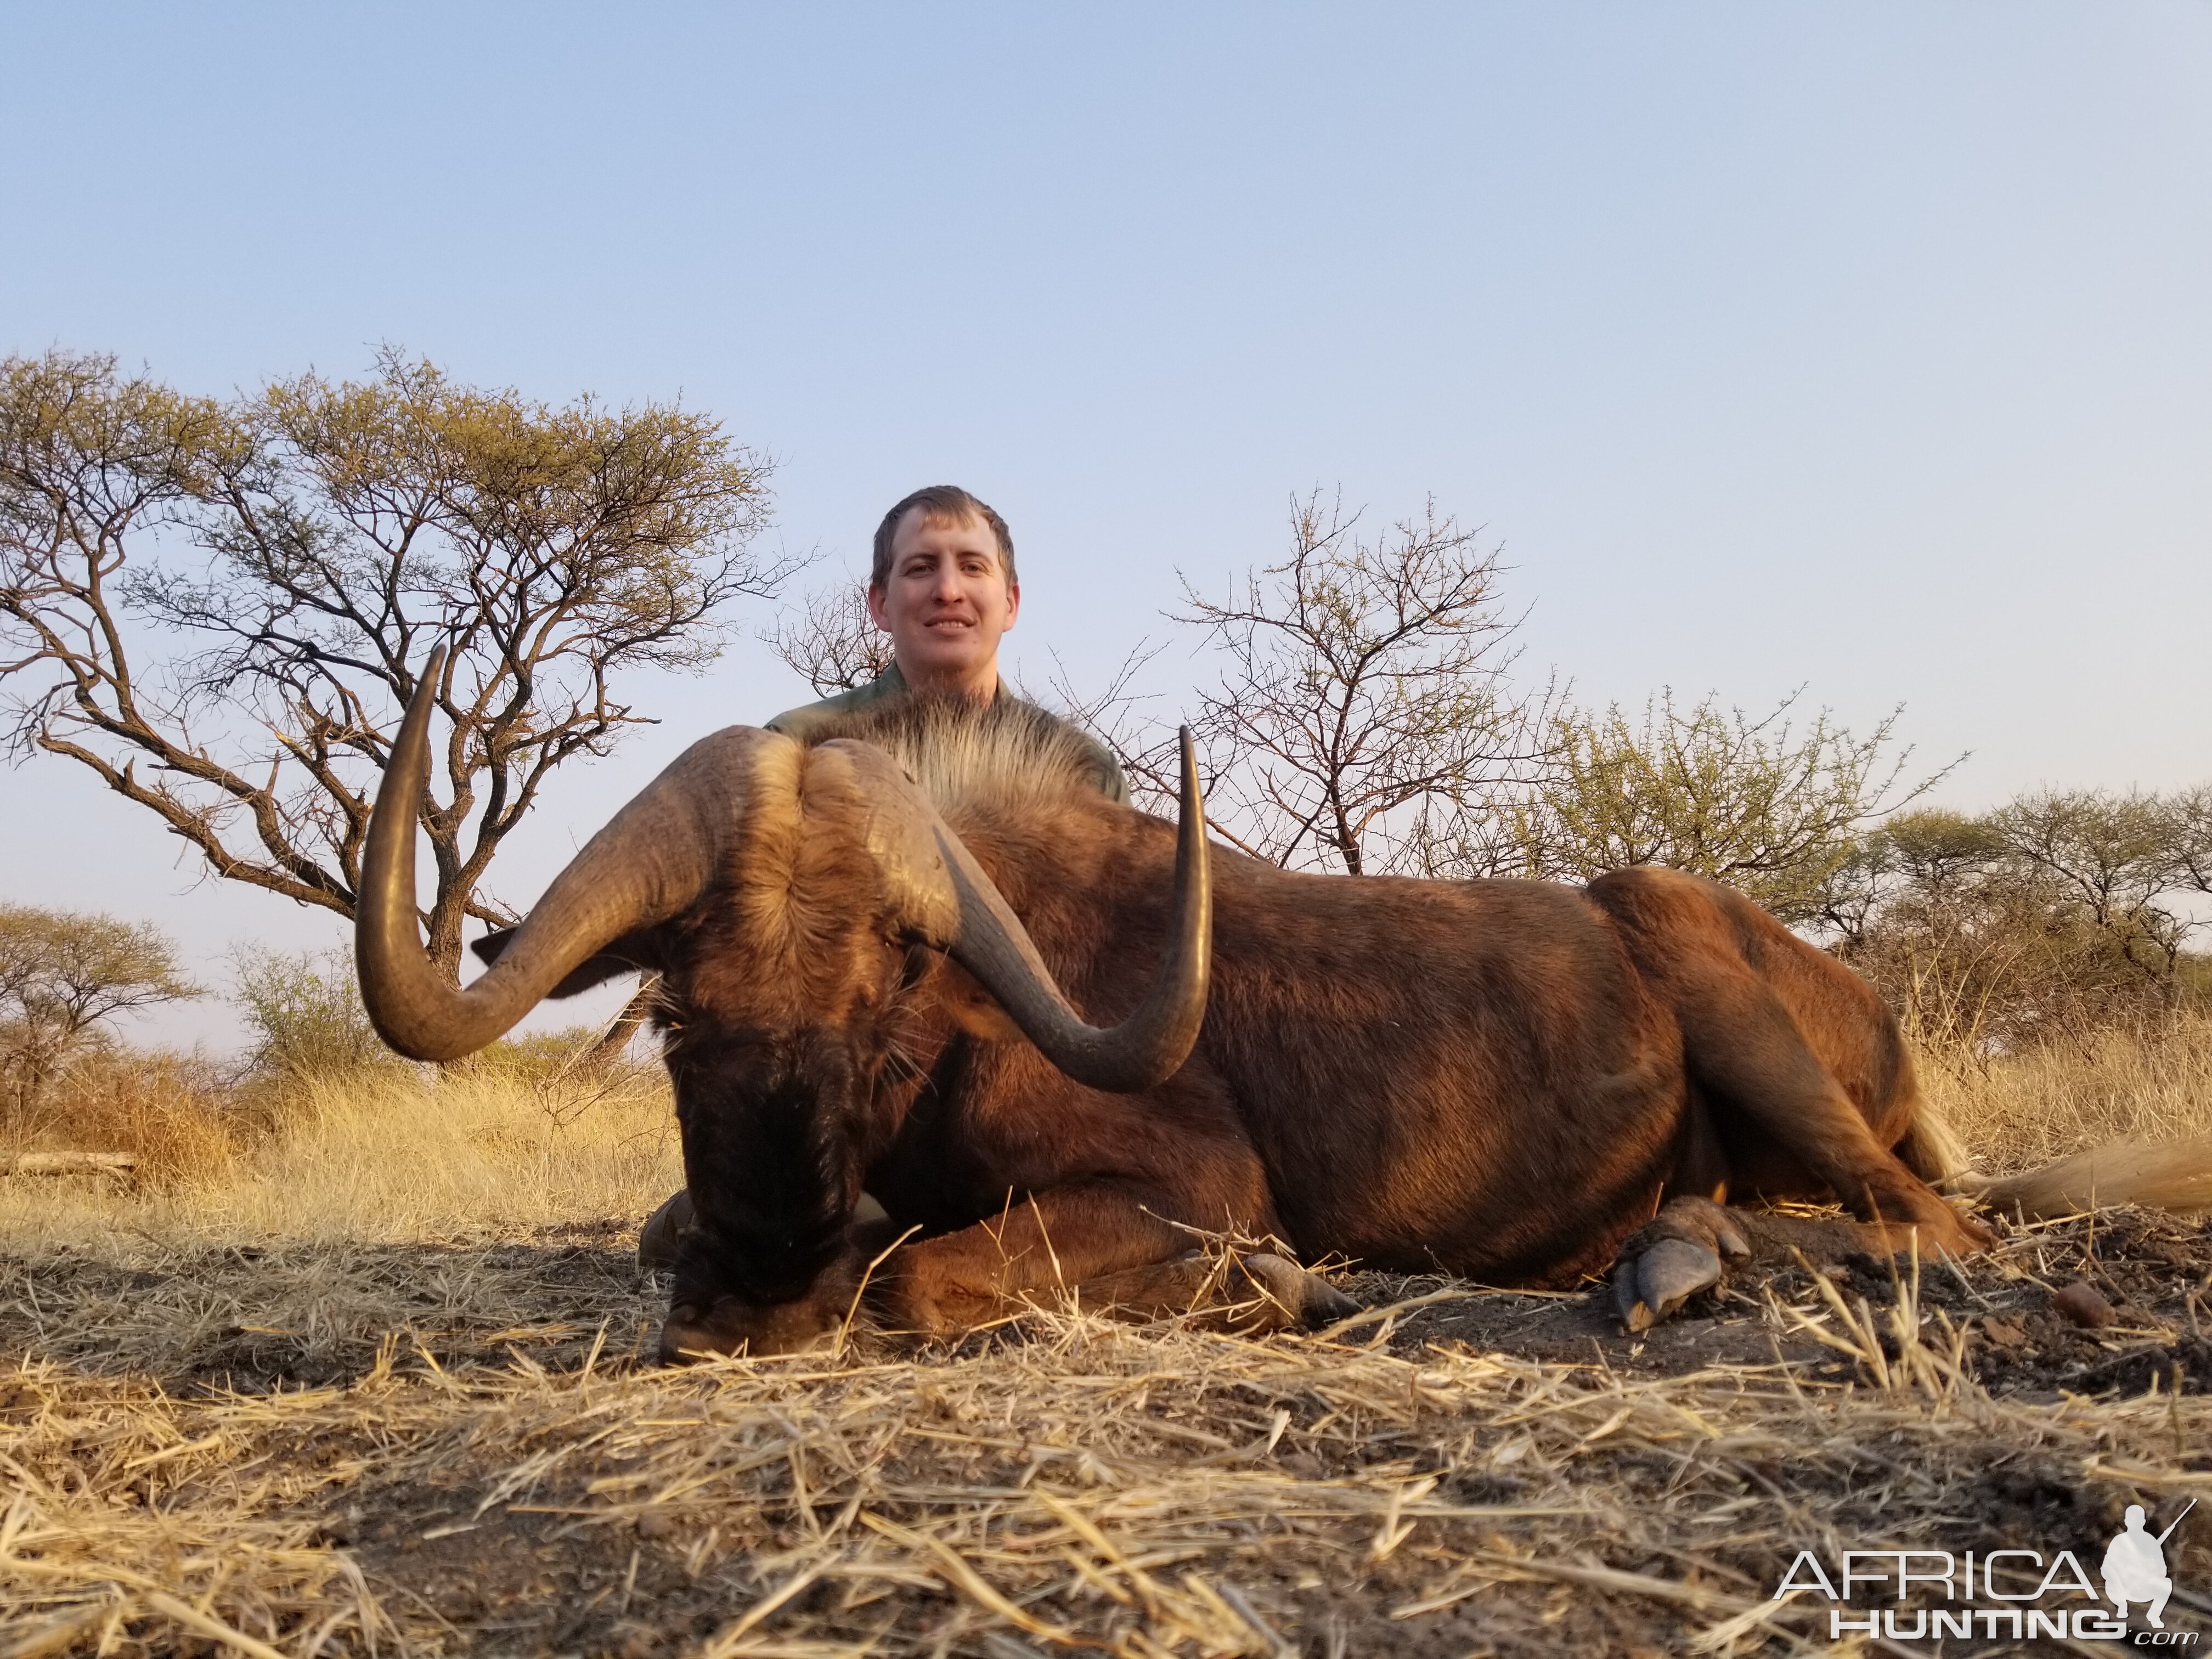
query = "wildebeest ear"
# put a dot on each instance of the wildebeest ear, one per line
(493, 946)
(974, 1009)
(632, 953)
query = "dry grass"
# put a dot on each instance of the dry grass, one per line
(2017, 1112)
(452, 1485)
(380, 1387)
(394, 1154)
(174, 1113)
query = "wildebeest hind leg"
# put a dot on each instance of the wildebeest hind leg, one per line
(1262, 1292)
(1741, 1044)
(1693, 1245)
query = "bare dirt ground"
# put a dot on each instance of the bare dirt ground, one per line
(447, 1450)
(2153, 1271)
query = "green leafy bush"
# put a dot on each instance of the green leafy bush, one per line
(305, 1012)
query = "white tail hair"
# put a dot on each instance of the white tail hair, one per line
(2174, 1175)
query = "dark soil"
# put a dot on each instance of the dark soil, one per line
(2154, 1271)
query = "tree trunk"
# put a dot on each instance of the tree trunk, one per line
(444, 942)
(616, 1038)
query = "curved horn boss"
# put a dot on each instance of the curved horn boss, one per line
(661, 852)
(961, 912)
(653, 860)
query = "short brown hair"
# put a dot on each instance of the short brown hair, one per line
(941, 504)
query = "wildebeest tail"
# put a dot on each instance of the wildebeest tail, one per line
(2174, 1175)
(1931, 1149)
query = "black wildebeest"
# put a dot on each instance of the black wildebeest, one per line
(874, 947)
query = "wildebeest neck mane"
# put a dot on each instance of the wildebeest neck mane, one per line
(1005, 754)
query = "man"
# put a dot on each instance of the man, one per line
(943, 585)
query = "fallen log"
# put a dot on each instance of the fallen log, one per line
(58, 1164)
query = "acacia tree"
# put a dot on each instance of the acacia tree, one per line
(832, 642)
(63, 976)
(1366, 699)
(2115, 857)
(2189, 829)
(1962, 941)
(1773, 809)
(2054, 916)
(220, 607)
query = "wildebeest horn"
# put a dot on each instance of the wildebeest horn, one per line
(658, 855)
(1156, 1037)
(651, 860)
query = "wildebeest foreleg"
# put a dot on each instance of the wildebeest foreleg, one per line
(1693, 1245)
(1094, 1245)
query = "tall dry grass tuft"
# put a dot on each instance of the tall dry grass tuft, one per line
(481, 1152)
(2014, 1112)
(383, 1154)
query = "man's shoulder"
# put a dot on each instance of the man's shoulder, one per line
(1105, 771)
(808, 718)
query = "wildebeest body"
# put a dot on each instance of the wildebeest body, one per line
(1472, 1078)
(1503, 1079)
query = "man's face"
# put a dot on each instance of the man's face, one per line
(946, 603)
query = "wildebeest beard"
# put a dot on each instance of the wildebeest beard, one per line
(770, 1132)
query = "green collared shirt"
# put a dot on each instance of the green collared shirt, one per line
(803, 722)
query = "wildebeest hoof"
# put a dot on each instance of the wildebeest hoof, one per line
(1652, 1286)
(1326, 1304)
(662, 1237)
(1304, 1299)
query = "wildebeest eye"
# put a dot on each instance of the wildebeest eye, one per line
(916, 965)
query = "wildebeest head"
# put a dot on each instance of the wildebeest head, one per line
(793, 897)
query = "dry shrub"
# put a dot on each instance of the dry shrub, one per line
(306, 1014)
(563, 1056)
(2016, 1111)
(173, 1112)
(390, 1153)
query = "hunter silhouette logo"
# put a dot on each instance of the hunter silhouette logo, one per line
(2135, 1566)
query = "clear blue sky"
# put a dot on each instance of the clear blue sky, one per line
(1867, 346)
